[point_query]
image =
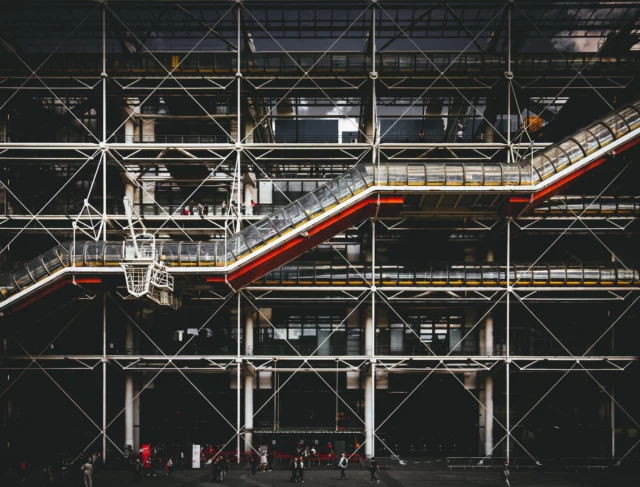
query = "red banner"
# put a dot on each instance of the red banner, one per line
(146, 450)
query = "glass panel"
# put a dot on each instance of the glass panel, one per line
(625, 276)
(540, 275)
(188, 253)
(435, 174)
(591, 275)
(324, 196)
(367, 172)
(473, 174)
(207, 253)
(113, 253)
(493, 175)
(93, 253)
(280, 221)
(389, 275)
(397, 175)
(22, 277)
(543, 166)
(405, 276)
(266, 229)
(489, 275)
(416, 175)
(339, 188)
(602, 133)
(588, 142)
(607, 275)
(473, 275)
(351, 179)
(323, 275)
(252, 237)
(169, 253)
(382, 174)
(558, 275)
(236, 248)
(525, 174)
(617, 124)
(631, 116)
(51, 261)
(63, 252)
(456, 274)
(36, 268)
(454, 175)
(306, 274)
(310, 205)
(558, 158)
(7, 287)
(574, 275)
(572, 150)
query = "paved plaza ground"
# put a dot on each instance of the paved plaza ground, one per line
(409, 476)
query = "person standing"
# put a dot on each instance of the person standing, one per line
(169, 466)
(301, 465)
(373, 469)
(263, 461)
(254, 463)
(224, 466)
(137, 470)
(505, 474)
(342, 464)
(87, 470)
(294, 470)
(313, 455)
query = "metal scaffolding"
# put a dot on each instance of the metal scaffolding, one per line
(377, 69)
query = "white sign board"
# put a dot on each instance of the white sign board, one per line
(195, 457)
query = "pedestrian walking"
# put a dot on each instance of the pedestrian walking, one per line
(374, 468)
(254, 465)
(87, 470)
(342, 464)
(137, 470)
(505, 474)
(169, 466)
(294, 470)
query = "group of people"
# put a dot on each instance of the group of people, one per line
(201, 209)
(219, 468)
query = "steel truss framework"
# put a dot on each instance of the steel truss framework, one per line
(382, 25)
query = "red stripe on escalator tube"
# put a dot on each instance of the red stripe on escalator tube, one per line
(298, 245)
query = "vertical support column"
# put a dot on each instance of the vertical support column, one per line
(128, 391)
(612, 413)
(509, 76)
(507, 352)
(103, 143)
(128, 410)
(488, 425)
(104, 377)
(369, 337)
(136, 417)
(239, 363)
(248, 382)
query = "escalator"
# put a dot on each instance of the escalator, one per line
(365, 191)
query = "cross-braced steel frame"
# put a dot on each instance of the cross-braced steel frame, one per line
(381, 24)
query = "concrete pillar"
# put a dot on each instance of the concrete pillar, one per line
(488, 336)
(136, 419)
(250, 193)
(488, 426)
(128, 410)
(248, 383)
(129, 131)
(248, 130)
(148, 128)
(369, 391)
(233, 130)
